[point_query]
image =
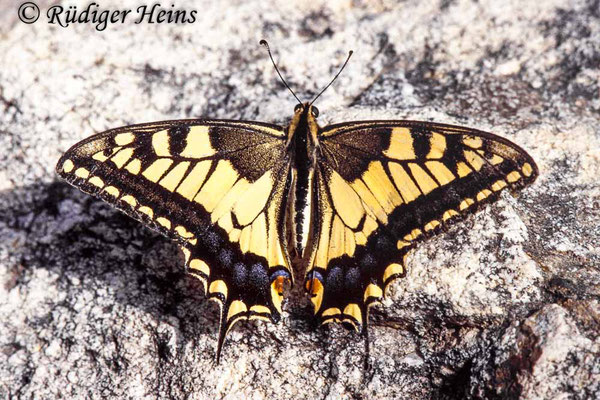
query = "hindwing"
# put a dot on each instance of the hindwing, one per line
(216, 187)
(383, 186)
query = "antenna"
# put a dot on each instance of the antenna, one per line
(263, 42)
(334, 78)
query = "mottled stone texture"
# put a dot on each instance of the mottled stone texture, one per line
(503, 305)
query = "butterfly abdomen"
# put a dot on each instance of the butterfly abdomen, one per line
(303, 167)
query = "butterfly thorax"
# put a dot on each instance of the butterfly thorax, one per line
(302, 146)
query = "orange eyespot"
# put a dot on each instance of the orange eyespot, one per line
(313, 286)
(278, 284)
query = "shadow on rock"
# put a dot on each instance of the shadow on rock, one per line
(91, 247)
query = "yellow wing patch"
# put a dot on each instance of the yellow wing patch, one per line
(379, 184)
(346, 200)
(217, 185)
(157, 169)
(193, 181)
(401, 145)
(198, 143)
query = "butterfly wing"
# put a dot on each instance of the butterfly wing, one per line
(216, 187)
(383, 186)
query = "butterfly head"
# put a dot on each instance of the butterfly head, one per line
(307, 108)
(303, 127)
(304, 123)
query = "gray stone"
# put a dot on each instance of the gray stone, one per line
(502, 305)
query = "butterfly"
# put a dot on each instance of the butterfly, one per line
(246, 201)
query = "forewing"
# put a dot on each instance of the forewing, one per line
(382, 187)
(216, 187)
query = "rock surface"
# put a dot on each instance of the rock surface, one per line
(503, 305)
